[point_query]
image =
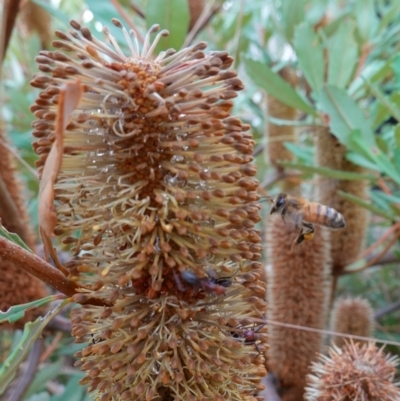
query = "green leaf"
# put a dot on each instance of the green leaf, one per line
(292, 123)
(361, 160)
(343, 52)
(367, 20)
(374, 72)
(13, 238)
(333, 26)
(292, 14)
(375, 155)
(44, 376)
(389, 201)
(357, 144)
(387, 167)
(345, 115)
(389, 14)
(382, 144)
(355, 266)
(73, 391)
(277, 87)
(18, 311)
(331, 173)
(32, 331)
(395, 112)
(303, 153)
(172, 15)
(366, 205)
(310, 55)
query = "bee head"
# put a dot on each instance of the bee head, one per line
(278, 203)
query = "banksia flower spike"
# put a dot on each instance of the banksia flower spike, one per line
(345, 244)
(16, 285)
(354, 373)
(156, 187)
(298, 292)
(352, 316)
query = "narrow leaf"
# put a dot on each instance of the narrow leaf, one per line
(327, 172)
(367, 21)
(277, 87)
(345, 115)
(394, 110)
(292, 15)
(13, 238)
(32, 331)
(366, 205)
(45, 375)
(73, 391)
(375, 155)
(172, 15)
(397, 135)
(387, 167)
(17, 312)
(293, 123)
(310, 55)
(70, 96)
(302, 152)
(342, 55)
(361, 160)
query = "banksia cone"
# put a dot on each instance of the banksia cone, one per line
(16, 285)
(354, 373)
(156, 188)
(298, 292)
(352, 316)
(345, 244)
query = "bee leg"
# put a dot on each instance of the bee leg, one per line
(300, 238)
(308, 231)
(283, 214)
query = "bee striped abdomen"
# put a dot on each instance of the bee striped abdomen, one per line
(324, 215)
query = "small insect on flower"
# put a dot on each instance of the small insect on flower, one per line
(304, 213)
(207, 284)
(252, 336)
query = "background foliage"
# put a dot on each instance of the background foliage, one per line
(352, 66)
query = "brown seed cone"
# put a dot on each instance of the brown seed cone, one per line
(346, 243)
(16, 285)
(354, 373)
(196, 7)
(37, 19)
(352, 316)
(298, 293)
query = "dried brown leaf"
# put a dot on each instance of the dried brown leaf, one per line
(70, 96)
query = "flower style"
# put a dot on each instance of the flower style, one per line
(156, 182)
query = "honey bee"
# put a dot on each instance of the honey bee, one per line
(304, 213)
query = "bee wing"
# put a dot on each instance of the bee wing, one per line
(294, 203)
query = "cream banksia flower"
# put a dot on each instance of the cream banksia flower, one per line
(354, 373)
(156, 180)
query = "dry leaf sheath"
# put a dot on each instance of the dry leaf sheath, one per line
(156, 179)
